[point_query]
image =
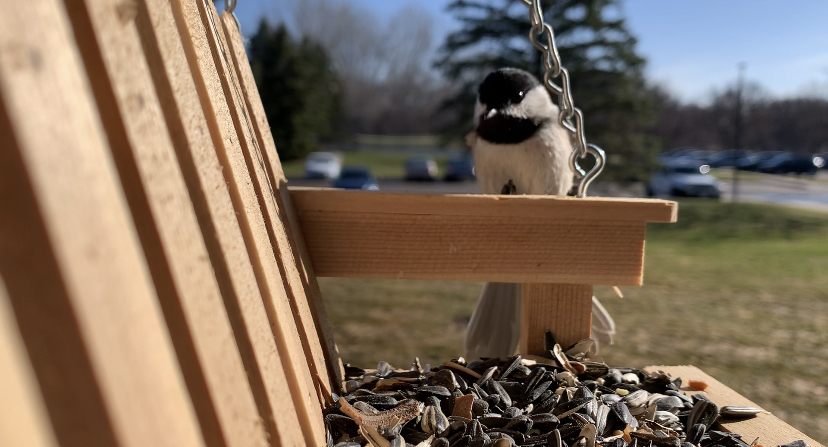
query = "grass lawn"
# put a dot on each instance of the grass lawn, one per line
(726, 175)
(382, 164)
(739, 290)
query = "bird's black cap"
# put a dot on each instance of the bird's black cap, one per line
(505, 86)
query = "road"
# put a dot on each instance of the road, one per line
(802, 192)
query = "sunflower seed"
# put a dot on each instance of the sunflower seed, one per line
(434, 422)
(704, 412)
(733, 411)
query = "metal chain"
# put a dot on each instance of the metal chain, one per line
(570, 117)
(230, 8)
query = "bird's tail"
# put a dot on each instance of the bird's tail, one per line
(603, 326)
(494, 329)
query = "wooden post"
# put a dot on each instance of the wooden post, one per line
(563, 309)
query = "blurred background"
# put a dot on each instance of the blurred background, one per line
(720, 105)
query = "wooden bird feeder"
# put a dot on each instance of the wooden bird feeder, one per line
(558, 247)
(158, 279)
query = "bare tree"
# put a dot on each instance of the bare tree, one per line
(792, 124)
(385, 64)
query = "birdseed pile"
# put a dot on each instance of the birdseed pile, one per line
(556, 398)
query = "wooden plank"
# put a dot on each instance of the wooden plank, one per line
(586, 208)
(301, 252)
(23, 418)
(232, 140)
(563, 309)
(75, 274)
(770, 430)
(495, 248)
(167, 226)
(201, 146)
(301, 286)
(300, 342)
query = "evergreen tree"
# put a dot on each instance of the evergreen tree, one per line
(595, 46)
(301, 93)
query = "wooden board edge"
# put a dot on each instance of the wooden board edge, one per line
(591, 208)
(24, 420)
(250, 184)
(770, 430)
(300, 282)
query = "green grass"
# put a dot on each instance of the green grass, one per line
(382, 164)
(739, 290)
(726, 175)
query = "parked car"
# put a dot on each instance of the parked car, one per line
(726, 158)
(787, 163)
(323, 165)
(356, 177)
(460, 168)
(697, 156)
(752, 162)
(421, 168)
(684, 178)
(667, 155)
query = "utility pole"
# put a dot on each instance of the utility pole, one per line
(737, 128)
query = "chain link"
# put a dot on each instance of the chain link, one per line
(570, 117)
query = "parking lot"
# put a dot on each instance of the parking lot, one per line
(802, 192)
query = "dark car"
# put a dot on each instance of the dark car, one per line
(421, 168)
(668, 155)
(356, 177)
(787, 163)
(460, 168)
(752, 162)
(691, 156)
(726, 158)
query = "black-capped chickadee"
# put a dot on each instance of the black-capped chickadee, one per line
(519, 148)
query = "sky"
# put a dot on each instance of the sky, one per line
(692, 46)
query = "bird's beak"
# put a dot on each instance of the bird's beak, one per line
(489, 113)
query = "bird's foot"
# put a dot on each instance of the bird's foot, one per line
(509, 189)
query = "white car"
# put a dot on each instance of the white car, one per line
(325, 165)
(684, 179)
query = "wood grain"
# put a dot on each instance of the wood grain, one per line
(770, 430)
(224, 209)
(496, 248)
(297, 287)
(23, 417)
(236, 414)
(563, 309)
(232, 139)
(74, 270)
(587, 208)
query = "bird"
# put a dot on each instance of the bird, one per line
(519, 147)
